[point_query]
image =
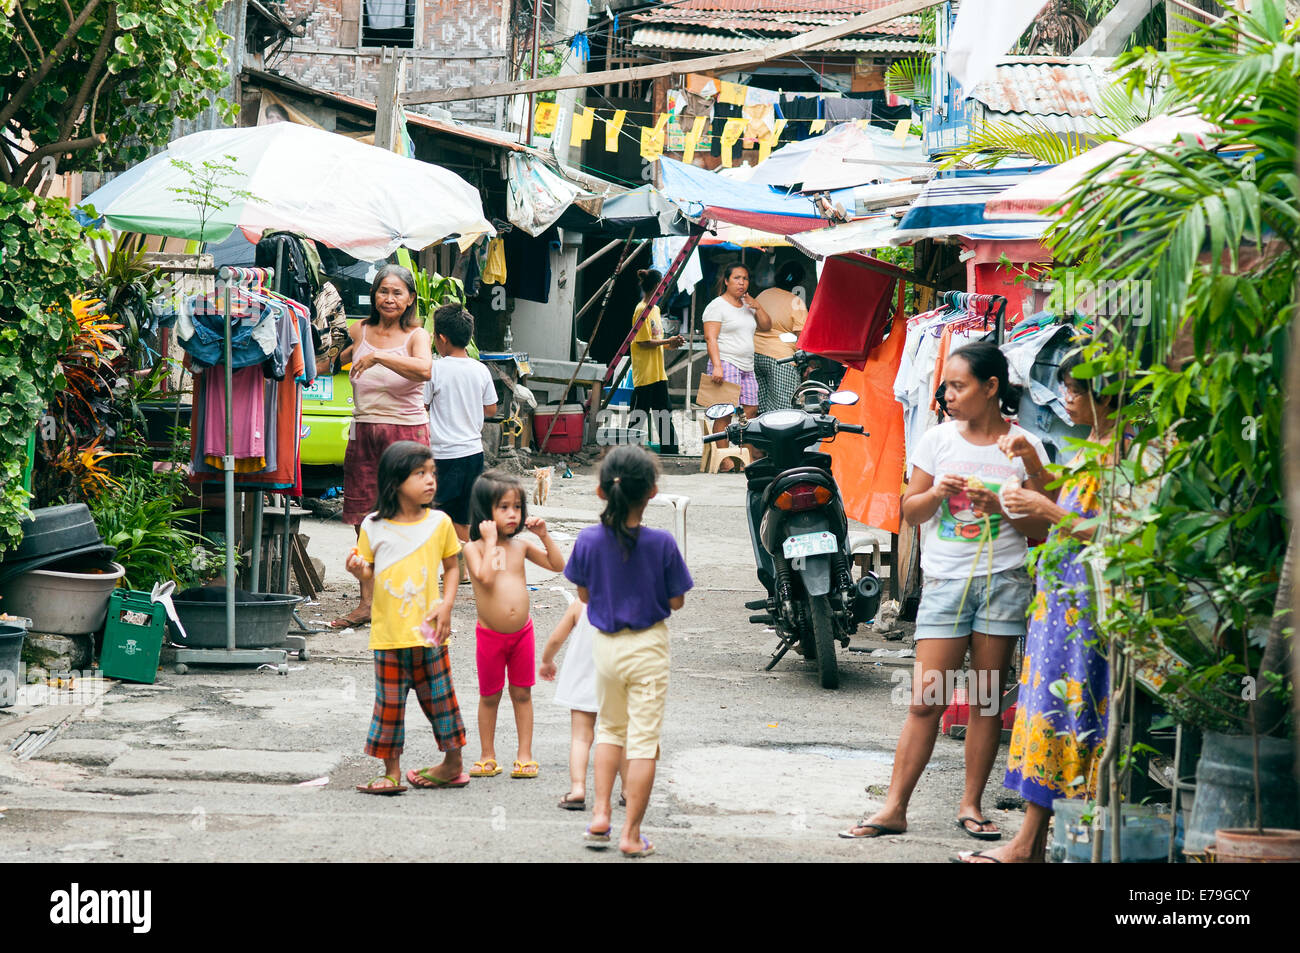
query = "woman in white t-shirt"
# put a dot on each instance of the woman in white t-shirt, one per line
(729, 324)
(976, 592)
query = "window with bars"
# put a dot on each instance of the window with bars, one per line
(388, 23)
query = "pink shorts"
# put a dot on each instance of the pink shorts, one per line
(499, 654)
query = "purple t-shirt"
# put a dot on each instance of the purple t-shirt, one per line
(628, 589)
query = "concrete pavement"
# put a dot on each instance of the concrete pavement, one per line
(239, 764)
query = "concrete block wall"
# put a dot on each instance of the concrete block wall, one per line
(460, 42)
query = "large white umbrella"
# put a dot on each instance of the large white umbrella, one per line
(355, 197)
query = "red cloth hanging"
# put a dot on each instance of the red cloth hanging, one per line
(850, 311)
(869, 470)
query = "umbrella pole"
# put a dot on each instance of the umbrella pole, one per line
(228, 468)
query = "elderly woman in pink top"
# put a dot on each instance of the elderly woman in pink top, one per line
(391, 357)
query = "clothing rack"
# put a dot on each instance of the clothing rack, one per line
(228, 277)
(993, 306)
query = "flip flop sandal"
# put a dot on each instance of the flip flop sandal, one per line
(520, 769)
(981, 834)
(622, 800)
(880, 831)
(424, 779)
(343, 622)
(480, 769)
(973, 856)
(646, 850)
(369, 788)
(596, 840)
(573, 804)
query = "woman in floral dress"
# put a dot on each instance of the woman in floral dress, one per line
(1060, 727)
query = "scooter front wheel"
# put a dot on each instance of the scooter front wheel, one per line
(823, 625)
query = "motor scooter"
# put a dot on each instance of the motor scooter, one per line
(798, 527)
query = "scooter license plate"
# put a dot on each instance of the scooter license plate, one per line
(809, 544)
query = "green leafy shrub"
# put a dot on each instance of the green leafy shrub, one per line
(141, 519)
(45, 263)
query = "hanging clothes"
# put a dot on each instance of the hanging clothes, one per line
(296, 255)
(266, 413)
(528, 264)
(799, 112)
(1034, 357)
(869, 470)
(721, 113)
(494, 266)
(920, 371)
(248, 419)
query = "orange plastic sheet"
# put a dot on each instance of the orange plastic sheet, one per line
(869, 470)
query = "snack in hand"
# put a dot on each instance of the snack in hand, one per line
(974, 483)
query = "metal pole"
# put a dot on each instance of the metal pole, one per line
(255, 576)
(284, 549)
(279, 284)
(228, 469)
(690, 347)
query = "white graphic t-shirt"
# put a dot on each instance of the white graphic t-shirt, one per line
(951, 540)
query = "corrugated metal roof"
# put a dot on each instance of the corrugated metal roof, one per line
(683, 40)
(1046, 89)
(850, 7)
(766, 22)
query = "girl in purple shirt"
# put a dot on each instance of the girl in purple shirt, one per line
(632, 578)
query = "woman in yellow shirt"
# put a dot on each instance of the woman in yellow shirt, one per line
(649, 379)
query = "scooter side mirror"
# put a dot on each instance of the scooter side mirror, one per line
(785, 337)
(719, 411)
(845, 398)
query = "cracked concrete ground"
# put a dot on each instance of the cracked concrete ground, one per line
(239, 764)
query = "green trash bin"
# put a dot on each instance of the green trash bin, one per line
(133, 637)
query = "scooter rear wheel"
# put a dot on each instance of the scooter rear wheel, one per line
(823, 625)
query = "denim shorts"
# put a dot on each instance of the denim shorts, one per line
(998, 608)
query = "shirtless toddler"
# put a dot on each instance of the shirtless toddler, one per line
(504, 635)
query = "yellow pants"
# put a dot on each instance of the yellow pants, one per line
(631, 688)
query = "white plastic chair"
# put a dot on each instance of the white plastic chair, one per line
(679, 504)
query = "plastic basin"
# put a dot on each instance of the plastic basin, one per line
(56, 529)
(261, 618)
(69, 600)
(11, 651)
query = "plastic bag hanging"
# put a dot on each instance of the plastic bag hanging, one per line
(494, 271)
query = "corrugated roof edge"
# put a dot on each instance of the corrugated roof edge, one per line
(491, 137)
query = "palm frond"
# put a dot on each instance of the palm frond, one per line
(910, 79)
(991, 142)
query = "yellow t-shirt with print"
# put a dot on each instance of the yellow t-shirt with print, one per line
(647, 362)
(407, 558)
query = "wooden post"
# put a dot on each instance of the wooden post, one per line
(388, 110)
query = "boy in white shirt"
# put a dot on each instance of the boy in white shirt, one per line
(460, 395)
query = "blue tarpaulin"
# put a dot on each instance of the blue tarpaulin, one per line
(709, 195)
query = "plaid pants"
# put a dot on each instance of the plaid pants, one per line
(776, 383)
(428, 671)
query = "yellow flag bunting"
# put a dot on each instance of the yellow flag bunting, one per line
(580, 131)
(612, 127)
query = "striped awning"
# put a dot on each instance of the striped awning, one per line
(953, 204)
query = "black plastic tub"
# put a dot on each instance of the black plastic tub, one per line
(11, 652)
(261, 618)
